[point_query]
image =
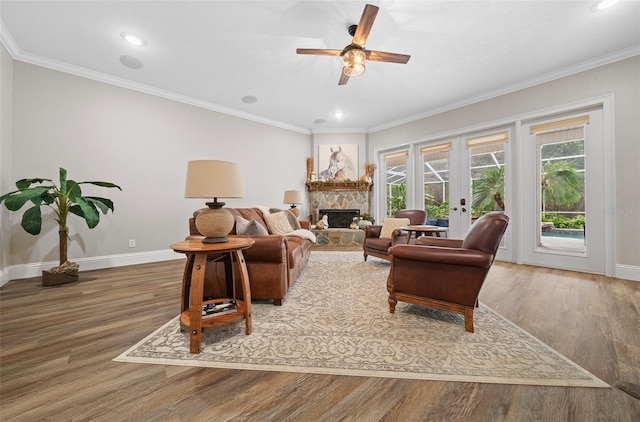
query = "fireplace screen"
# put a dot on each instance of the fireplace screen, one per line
(340, 218)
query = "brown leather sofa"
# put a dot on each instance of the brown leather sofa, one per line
(374, 246)
(446, 274)
(273, 262)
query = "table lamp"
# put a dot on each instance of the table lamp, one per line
(213, 179)
(293, 197)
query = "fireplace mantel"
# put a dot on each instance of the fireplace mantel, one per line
(317, 186)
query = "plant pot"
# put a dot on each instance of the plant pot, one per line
(54, 279)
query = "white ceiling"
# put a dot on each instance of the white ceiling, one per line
(214, 53)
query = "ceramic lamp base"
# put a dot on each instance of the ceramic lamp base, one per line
(295, 211)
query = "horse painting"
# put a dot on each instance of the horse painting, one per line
(340, 167)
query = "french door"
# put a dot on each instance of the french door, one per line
(465, 177)
(563, 204)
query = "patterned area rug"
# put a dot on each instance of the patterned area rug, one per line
(336, 320)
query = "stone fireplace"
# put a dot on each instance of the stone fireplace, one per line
(339, 196)
(340, 201)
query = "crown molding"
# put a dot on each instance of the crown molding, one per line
(567, 71)
(17, 54)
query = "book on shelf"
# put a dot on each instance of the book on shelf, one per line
(219, 308)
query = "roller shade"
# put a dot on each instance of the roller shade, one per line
(494, 138)
(434, 153)
(396, 159)
(560, 125)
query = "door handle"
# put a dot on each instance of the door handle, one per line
(454, 209)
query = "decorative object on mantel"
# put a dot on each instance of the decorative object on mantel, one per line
(293, 197)
(310, 172)
(213, 179)
(320, 185)
(64, 198)
(369, 169)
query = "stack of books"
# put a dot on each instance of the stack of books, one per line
(219, 308)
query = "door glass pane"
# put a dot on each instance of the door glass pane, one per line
(562, 196)
(486, 167)
(436, 184)
(396, 182)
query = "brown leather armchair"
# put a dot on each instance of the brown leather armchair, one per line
(374, 246)
(446, 274)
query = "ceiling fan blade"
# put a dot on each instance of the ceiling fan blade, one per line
(319, 51)
(365, 24)
(381, 56)
(343, 79)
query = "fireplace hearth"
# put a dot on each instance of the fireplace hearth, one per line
(340, 218)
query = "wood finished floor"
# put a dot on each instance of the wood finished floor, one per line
(57, 346)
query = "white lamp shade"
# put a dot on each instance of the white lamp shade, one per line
(293, 197)
(213, 179)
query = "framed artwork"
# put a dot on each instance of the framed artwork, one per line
(337, 162)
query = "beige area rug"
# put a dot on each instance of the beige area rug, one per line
(336, 320)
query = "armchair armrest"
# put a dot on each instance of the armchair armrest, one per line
(442, 255)
(372, 231)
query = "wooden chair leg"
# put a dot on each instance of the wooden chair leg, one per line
(392, 304)
(468, 319)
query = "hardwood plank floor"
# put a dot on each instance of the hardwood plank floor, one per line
(57, 346)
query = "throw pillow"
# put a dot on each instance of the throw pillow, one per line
(278, 223)
(249, 227)
(293, 220)
(390, 224)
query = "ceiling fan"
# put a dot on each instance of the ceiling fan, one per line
(354, 55)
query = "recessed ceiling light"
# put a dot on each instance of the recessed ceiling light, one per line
(134, 39)
(338, 114)
(604, 4)
(249, 99)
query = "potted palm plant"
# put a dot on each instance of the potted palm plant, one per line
(64, 198)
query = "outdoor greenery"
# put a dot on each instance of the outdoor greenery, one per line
(563, 222)
(437, 211)
(397, 200)
(561, 185)
(64, 198)
(488, 191)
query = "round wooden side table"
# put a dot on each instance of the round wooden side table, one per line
(193, 286)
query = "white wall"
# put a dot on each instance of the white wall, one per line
(622, 79)
(6, 99)
(141, 142)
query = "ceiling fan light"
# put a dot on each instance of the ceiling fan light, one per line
(354, 57)
(353, 70)
(354, 60)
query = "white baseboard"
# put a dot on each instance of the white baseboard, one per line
(16, 272)
(628, 272)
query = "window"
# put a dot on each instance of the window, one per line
(396, 182)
